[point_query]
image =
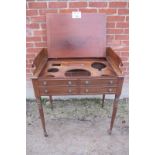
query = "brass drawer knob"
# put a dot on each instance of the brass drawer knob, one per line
(46, 91)
(69, 90)
(44, 83)
(111, 82)
(69, 82)
(86, 90)
(86, 82)
(110, 89)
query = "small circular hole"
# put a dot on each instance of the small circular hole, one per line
(53, 70)
(50, 75)
(98, 65)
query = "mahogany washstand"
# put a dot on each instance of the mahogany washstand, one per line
(77, 61)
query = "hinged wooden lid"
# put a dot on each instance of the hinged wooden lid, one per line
(69, 37)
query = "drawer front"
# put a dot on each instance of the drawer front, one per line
(59, 90)
(109, 82)
(58, 82)
(98, 90)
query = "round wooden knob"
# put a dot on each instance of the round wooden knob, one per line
(44, 83)
(86, 82)
(110, 89)
(46, 91)
(69, 90)
(111, 82)
(69, 82)
(86, 90)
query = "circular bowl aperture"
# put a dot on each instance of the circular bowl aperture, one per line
(53, 70)
(98, 65)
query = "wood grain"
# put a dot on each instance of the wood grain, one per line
(73, 38)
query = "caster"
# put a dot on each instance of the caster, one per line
(45, 134)
(109, 131)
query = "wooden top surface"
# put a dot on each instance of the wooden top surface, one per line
(69, 37)
(95, 66)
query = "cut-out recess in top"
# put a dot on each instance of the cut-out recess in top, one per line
(56, 64)
(53, 70)
(77, 72)
(98, 65)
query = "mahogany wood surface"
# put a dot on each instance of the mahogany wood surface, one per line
(76, 37)
(39, 62)
(93, 67)
(114, 60)
(72, 67)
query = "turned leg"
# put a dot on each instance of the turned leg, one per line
(41, 112)
(103, 97)
(115, 106)
(51, 101)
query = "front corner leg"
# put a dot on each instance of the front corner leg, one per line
(103, 98)
(51, 101)
(115, 106)
(41, 112)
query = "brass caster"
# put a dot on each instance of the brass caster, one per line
(109, 131)
(45, 134)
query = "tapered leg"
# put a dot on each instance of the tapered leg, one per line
(51, 101)
(103, 97)
(41, 112)
(115, 106)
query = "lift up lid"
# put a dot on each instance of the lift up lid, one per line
(71, 36)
